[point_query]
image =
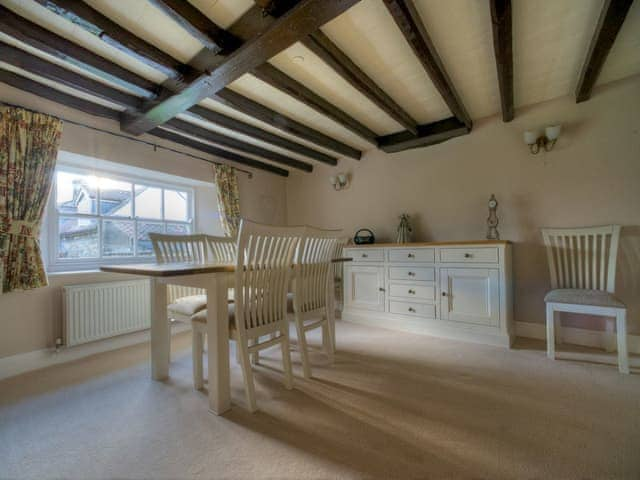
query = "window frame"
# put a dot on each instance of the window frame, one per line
(57, 264)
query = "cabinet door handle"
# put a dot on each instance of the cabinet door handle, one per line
(410, 255)
(444, 294)
(467, 255)
(411, 274)
(411, 309)
(412, 292)
(381, 289)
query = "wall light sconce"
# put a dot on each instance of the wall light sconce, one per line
(340, 181)
(537, 140)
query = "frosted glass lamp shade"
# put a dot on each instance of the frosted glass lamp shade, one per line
(530, 137)
(342, 178)
(552, 132)
(333, 180)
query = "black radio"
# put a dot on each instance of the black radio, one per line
(364, 236)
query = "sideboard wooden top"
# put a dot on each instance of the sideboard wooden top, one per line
(432, 244)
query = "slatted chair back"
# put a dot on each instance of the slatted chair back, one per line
(179, 248)
(312, 269)
(582, 258)
(263, 270)
(341, 242)
(221, 249)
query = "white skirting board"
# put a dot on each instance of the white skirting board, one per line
(26, 362)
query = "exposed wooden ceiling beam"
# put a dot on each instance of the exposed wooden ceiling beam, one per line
(218, 152)
(408, 20)
(30, 63)
(234, 143)
(281, 122)
(609, 24)
(237, 126)
(37, 37)
(67, 100)
(298, 22)
(329, 52)
(113, 34)
(199, 26)
(428, 134)
(502, 48)
(277, 79)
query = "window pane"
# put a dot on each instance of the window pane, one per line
(148, 202)
(117, 238)
(176, 205)
(144, 244)
(76, 193)
(77, 237)
(115, 198)
(178, 229)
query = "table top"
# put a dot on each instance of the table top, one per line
(176, 269)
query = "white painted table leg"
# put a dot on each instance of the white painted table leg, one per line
(160, 331)
(623, 355)
(218, 344)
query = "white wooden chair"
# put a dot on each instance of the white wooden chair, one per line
(263, 270)
(312, 296)
(582, 263)
(338, 269)
(221, 249)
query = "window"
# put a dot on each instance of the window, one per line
(97, 217)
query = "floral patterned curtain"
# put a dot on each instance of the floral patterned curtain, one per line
(28, 150)
(228, 198)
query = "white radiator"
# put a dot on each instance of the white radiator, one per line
(102, 310)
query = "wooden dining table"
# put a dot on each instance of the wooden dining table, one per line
(215, 279)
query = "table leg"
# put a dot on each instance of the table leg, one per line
(218, 344)
(160, 331)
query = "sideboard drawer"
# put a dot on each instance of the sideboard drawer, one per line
(422, 274)
(411, 255)
(469, 255)
(366, 254)
(425, 293)
(413, 309)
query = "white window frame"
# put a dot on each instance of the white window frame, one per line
(57, 264)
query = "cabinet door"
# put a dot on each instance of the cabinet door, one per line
(364, 287)
(470, 295)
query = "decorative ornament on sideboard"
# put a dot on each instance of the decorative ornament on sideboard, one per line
(404, 229)
(492, 220)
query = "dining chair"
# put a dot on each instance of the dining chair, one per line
(263, 269)
(341, 242)
(312, 296)
(221, 249)
(582, 264)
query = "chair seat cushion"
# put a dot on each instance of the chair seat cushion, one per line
(201, 316)
(576, 296)
(188, 305)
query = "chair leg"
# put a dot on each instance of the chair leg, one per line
(247, 373)
(238, 359)
(327, 339)
(610, 342)
(197, 340)
(551, 346)
(302, 346)
(255, 357)
(623, 356)
(286, 359)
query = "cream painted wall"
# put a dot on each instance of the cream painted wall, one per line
(32, 320)
(591, 177)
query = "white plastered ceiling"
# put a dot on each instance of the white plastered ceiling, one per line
(550, 42)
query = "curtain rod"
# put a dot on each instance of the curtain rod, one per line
(126, 137)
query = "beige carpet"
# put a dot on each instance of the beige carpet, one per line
(394, 405)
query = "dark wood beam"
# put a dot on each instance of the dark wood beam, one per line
(329, 52)
(253, 109)
(218, 152)
(234, 143)
(429, 134)
(301, 20)
(609, 24)
(276, 8)
(49, 93)
(235, 125)
(30, 63)
(503, 50)
(37, 37)
(198, 25)
(94, 22)
(277, 79)
(410, 24)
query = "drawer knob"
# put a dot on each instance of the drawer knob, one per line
(467, 255)
(381, 289)
(364, 255)
(411, 274)
(444, 294)
(410, 255)
(412, 292)
(411, 309)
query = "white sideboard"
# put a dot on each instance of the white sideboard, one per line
(460, 290)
